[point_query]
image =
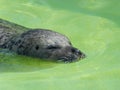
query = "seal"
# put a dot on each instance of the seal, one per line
(41, 43)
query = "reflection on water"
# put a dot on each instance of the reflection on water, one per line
(11, 62)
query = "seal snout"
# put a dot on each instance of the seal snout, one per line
(78, 53)
(71, 54)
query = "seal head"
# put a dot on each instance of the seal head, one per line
(45, 44)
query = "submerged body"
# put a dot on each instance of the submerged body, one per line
(41, 43)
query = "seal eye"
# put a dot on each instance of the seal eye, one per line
(37, 47)
(53, 47)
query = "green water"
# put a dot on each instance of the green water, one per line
(93, 26)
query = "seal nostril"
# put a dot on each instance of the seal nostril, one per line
(73, 50)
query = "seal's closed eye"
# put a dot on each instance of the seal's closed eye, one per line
(53, 47)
